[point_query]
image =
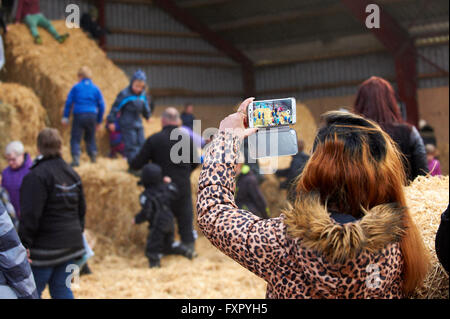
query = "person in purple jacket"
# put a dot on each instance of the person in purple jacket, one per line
(19, 165)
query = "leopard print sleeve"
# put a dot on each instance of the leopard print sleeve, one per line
(251, 241)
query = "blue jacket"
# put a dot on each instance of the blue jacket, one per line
(15, 271)
(85, 97)
(130, 107)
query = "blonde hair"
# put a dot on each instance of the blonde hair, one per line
(85, 72)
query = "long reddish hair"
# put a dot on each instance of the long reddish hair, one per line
(354, 167)
(376, 100)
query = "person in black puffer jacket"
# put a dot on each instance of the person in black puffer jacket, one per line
(53, 209)
(376, 101)
(155, 202)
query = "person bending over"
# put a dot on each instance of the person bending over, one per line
(349, 234)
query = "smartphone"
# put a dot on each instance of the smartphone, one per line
(272, 113)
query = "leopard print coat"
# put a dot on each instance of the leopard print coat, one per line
(303, 253)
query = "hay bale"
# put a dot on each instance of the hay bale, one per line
(112, 197)
(21, 117)
(306, 126)
(427, 198)
(51, 69)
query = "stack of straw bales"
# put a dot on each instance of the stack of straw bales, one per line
(51, 69)
(21, 117)
(112, 198)
(427, 198)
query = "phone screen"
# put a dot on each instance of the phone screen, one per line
(272, 112)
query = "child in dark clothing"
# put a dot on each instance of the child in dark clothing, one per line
(155, 202)
(248, 194)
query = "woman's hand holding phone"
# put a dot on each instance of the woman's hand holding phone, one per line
(238, 122)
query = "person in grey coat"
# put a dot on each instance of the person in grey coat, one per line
(130, 105)
(16, 277)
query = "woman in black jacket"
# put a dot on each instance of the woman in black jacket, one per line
(53, 209)
(376, 101)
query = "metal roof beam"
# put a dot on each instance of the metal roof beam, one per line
(214, 39)
(277, 17)
(201, 3)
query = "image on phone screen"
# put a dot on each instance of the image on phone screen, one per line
(271, 113)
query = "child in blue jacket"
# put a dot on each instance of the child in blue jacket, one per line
(86, 102)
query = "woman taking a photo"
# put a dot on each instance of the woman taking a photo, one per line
(349, 234)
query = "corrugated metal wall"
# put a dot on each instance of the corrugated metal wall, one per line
(192, 78)
(56, 9)
(146, 17)
(304, 78)
(344, 70)
(439, 56)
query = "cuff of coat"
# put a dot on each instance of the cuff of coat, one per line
(224, 149)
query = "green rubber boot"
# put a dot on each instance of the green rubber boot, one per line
(63, 38)
(38, 40)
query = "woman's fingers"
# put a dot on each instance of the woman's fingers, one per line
(243, 107)
(250, 131)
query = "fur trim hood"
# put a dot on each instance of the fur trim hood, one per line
(310, 221)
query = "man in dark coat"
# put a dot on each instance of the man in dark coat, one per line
(177, 157)
(295, 169)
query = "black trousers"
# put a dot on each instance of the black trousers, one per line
(183, 211)
(159, 241)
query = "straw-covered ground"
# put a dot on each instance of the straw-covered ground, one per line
(120, 269)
